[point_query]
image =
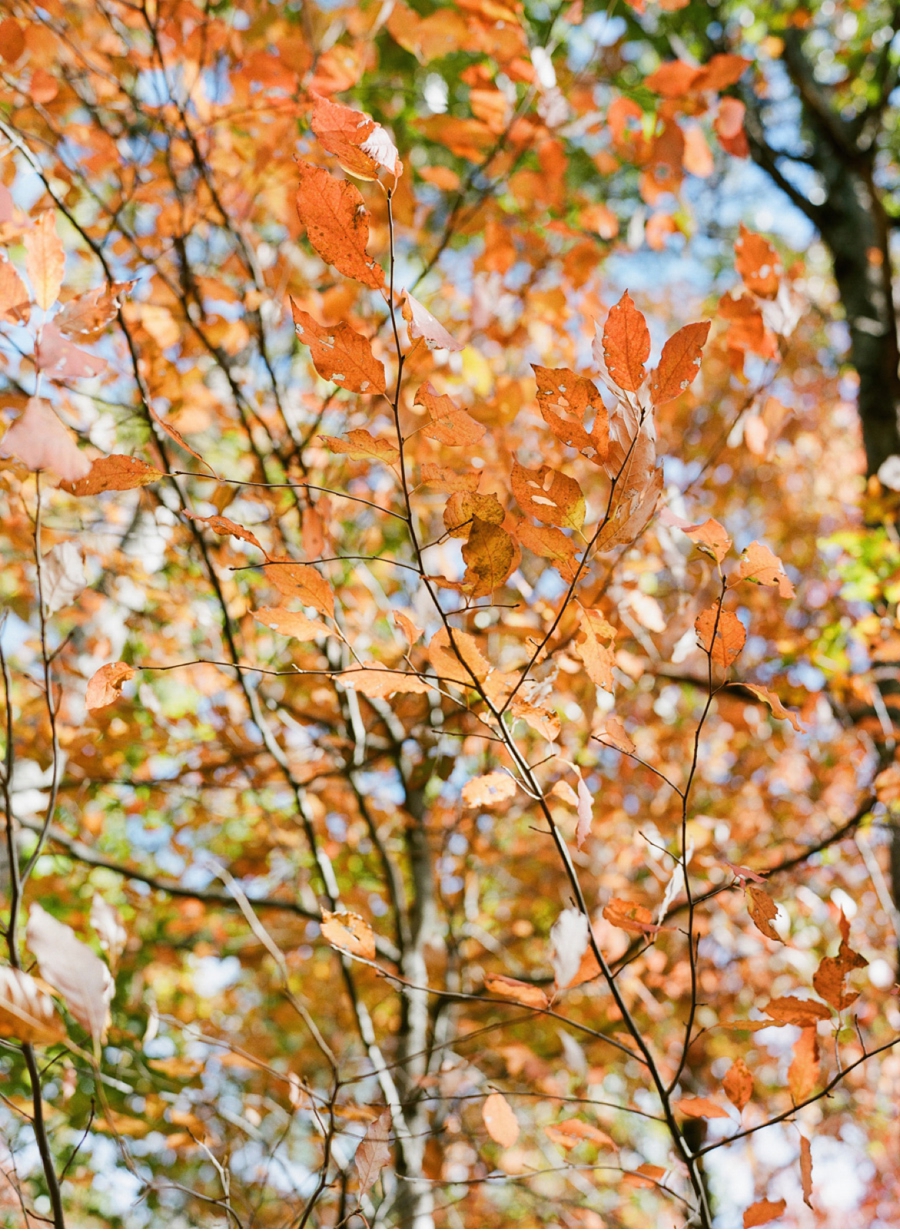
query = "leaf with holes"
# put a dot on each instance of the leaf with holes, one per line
(347, 930)
(679, 363)
(566, 400)
(340, 354)
(337, 223)
(489, 554)
(549, 495)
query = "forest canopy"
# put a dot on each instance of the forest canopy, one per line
(449, 642)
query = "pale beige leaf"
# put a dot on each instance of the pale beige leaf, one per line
(45, 260)
(41, 442)
(27, 1013)
(68, 965)
(105, 686)
(500, 1120)
(62, 576)
(421, 324)
(374, 1151)
(489, 789)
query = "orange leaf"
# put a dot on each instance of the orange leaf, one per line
(758, 263)
(45, 260)
(738, 1084)
(674, 79)
(360, 145)
(710, 537)
(626, 344)
(615, 734)
(291, 623)
(115, 473)
(630, 916)
(803, 1073)
(347, 930)
(679, 363)
(565, 399)
(500, 1120)
(225, 526)
(340, 354)
(86, 316)
(15, 300)
(301, 581)
(421, 324)
(762, 911)
(806, 1170)
(720, 72)
(701, 1109)
(105, 686)
(792, 1011)
(570, 1133)
(721, 635)
(729, 126)
(515, 989)
(550, 543)
(774, 704)
(648, 1175)
(446, 421)
(488, 789)
(761, 1212)
(337, 224)
(761, 566)
(829, 978)
(549, 495)
(373, 680)
(489, 553)
(463, 507)
(598, 659)
(361, 445)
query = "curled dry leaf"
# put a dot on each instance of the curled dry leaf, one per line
(770, 699)
(337, 224)
(721, 635)
(115, 473)
(374, 1151)
(347, 930)
(762, 911)
(701, 1109)
(105, 686)
(41, 442)
(500, 1120)
(761, 1212)
(226, 527)
(421, 324)
(614, 733)
(27, 1013)
(710, 537)
(829, 978)
(761, 566)
(68, 965)
(738, 1084)
(515, 989)
(489, 789)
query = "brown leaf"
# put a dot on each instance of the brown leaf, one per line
(515, 989)
(27, 1013)
(758, 263)
(829, 978)
(489, 553)
(549, 495)
(446, 421)
(570, 1133)
(615, 734)
(373, 680)
(361, 445)
(679, 363)
(803, 1072)
(74, 970)
(762, 911)
(446, 479)
(500, 1120)
(738, 1084)
(86, 316)
(421, 324)
(337, 224)
(806, 1170)
(301, 581)
(701, 1109)
(105, 686)
(792, 1011)
(346, 930)
(41, 442)
(630, 916)
(374, 1151)
(45, 260)
(761, 1212)
(626, 344)
(769, 698)
(566, 400)
(228, 528)
(598, 658)
(340, 354)
(116, 473)
(711, 538)
(488, 789)
(457, 659)
(550, 543)
(761, 566)
(721, 635)
(360, 145)
(291, 623)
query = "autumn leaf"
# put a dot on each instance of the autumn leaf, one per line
(346, 930)
(738, 1084)
(291, 623)
(570, 1133)
(27, 1013)
(701, 1109)
(373, 680)
(615, 735)
(15, 300)
(374, 1152)
(489, 554)
(762, 911)
(62, 576)
(360, 445)
(360, 145)
(803, 1071)
(515, 989)
(598, 658)
(227, 528)
(770, 699)
(679, 363)
(337, 224)
(45, 260)
(488, 789)
(549, 495)
(566, 401)
(500, 1120)
(758, 263)
(105, 686)
(630, 916)
(302, 582)
(711, 538)
(107, 923)
(421, 324)
(447, 423)
(463, 507)
(72, 969)
(340, 354)
(115, 473)
(626, 344)
(806, 1170)
(570, 938)
(792, 1011)
(721, 634)
(550, 543)
(41, 442)
(761, 1212)
(86, 316)
(761, 566)
(829, 978)
(585, 814)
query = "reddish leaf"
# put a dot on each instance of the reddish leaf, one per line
(337, 224)
(701, 1109)
(500, 1120)
(806, 1170)
(566, 400)
(829, 978)
(792, 1011)
(291, 623)
(626, 344)
(761, 1212)
(515, 989)
(729, 126)
(758, 263)
(679, 363)
(629, 916)
(115, 473)
(359, 144)
(803, 1072)
(674, 79)
(570, 1133)
(15, 300)
(552, 544)
(226, 527)
(57, 358)
(340, 354)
